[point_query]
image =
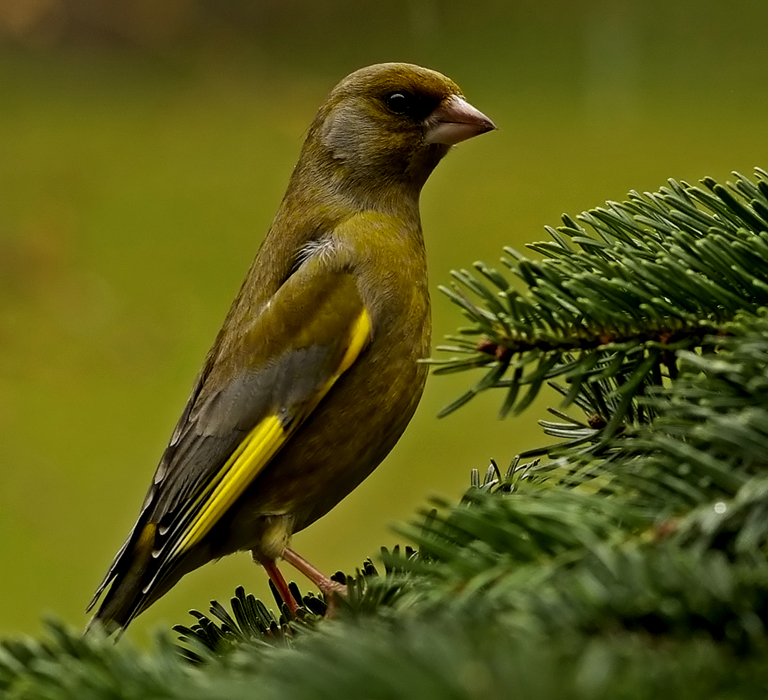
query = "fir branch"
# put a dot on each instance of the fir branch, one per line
(250, 622)
(656, 275)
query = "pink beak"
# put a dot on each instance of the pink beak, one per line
(456, 120)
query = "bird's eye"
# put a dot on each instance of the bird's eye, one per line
(400, 102)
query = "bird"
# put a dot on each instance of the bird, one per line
(317, 370)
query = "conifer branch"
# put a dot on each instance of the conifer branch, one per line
(622, 294)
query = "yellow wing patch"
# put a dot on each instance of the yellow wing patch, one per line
(358, 337)
(250, 457)
(259, 447)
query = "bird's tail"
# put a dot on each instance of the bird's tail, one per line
(124, 583)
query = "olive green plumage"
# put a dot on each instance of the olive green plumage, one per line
(314, 374)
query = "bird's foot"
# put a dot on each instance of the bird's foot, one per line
(331, 589)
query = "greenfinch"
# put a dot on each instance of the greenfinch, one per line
(315, 373)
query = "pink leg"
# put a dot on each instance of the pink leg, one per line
(282, 587)
(325, 584)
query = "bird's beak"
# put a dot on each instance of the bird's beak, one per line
(456, 120)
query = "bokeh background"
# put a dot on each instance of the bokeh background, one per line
(144, 147)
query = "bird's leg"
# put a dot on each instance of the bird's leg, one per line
(328, 586)
(279, 581)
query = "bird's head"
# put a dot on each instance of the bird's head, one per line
(384, 128)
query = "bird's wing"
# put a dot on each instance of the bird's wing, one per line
(246, 404)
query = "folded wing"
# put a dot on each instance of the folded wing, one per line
(255, 391)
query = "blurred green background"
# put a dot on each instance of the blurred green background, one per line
(144, 147)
